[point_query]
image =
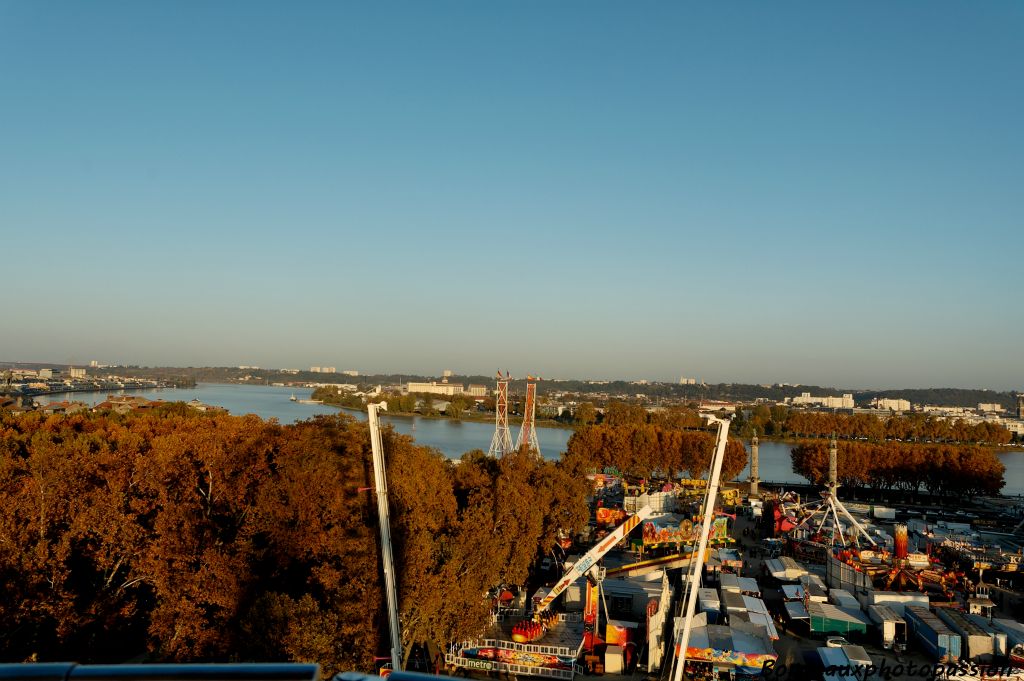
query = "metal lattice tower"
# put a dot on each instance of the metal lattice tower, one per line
(501, 443)
(528, 433)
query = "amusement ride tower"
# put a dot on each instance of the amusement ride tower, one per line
(831, 507)
(528, 433)
(501, 443)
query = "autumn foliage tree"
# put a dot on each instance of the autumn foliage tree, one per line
(644, 450)
(907, 427)
(947, 470)
(195, 537)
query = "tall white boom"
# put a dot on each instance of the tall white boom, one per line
(696, 565)
(384, 518)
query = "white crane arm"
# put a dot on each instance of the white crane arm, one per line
(591, 557)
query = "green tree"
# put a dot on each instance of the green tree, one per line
(456, 408)
(585, 414)
(624, 414)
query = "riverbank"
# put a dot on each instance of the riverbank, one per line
(102, 390)
(474, 418)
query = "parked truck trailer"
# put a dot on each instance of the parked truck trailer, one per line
(938, 640)
(892, 628)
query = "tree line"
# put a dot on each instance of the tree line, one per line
(402, 403)
(644, 450)
(915, 427)
(187, 536)
(945, 470)
(342, 398)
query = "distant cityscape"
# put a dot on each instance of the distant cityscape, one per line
(557, 398)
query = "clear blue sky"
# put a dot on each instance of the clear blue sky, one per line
(808, 192)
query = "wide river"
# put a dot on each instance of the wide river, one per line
(453, 438)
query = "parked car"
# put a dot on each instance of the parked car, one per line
(836, 642)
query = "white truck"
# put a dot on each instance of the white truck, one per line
(892, 627)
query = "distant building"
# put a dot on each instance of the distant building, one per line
(548, 411)
(338, 387)
(323, 370)
(447, 373)
(45, 373)
(1014, 426)
(890, 404)
(435, 388)
(76, 373)
(16, 404)
(124, 403)
(477, 390)
(687, 381)
(990, 407)
(246, 366)
(946, 411)
(63, 407)
(94, 364)
(844, 402)
(350, 372)
(1020, 406)
(717, 405)
(201, 406)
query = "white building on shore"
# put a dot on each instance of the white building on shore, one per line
(808, 400)
(435, 388)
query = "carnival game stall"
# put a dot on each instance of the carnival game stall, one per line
(675, 532)
(719, 649)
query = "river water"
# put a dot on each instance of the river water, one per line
(453, 438)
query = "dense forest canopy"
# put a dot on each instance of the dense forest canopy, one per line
(191, 536)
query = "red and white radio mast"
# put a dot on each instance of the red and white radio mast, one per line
(528, 433)
(501, 443)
